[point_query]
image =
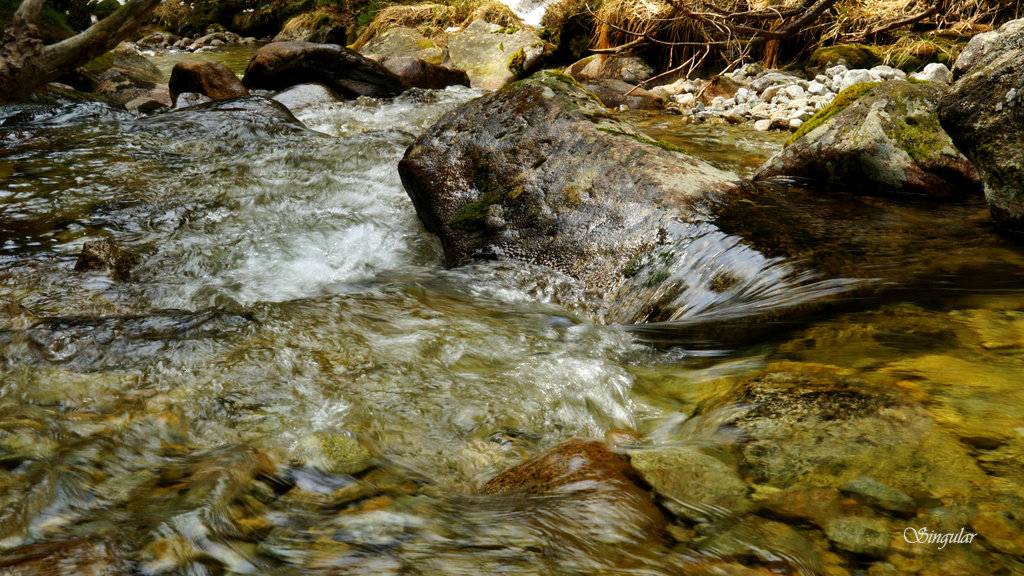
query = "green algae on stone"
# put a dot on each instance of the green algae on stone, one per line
(838, 104)
(856, 55)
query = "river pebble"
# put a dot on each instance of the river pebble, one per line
(776, 100)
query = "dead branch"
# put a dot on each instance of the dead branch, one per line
(26, 63)
(927, 13)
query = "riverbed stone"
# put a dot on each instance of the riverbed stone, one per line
(581, 191)
(615, 93)
(983, 113)
(860, 535)
(422, 74)
(493, 56)
(211, 79)
(282, 64)
(690, 482)
(103, 254)
(334, 453)
(881, 137)
(402, 42)
(588, 473)
(877, 495)
(818, 426)
(934, 72)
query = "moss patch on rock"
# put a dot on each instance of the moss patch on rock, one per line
(856, 55)
(839, 103)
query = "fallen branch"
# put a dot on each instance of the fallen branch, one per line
(26, 63)
(927, 13)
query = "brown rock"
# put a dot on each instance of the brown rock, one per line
(571, 461)
(585, 477)
(282, 64)
(99, 254)
(205, 77)
(723, 86)
(423, 74)
(615, 93)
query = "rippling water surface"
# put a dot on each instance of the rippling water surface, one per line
(287, 292)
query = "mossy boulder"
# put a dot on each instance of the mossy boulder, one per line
(855, 55)
(984, 112)
(402, 42)
(312, 27)
(881, 138)
(282, 64)
(542, 172)
(493, 56)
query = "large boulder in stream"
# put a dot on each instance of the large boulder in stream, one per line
(879, 137)
(422, 74)
(282, 64)
(542, 172)
(984, 113)
(402, 42)
(211, 79)
(493, 56)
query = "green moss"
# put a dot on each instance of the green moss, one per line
(517, 61)
(659, 277)
(919, 141)
(507, 30)
(839, 103)
(856, 55)
(100, 64)
(473, 215)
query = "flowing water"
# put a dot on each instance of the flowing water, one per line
(288, 297)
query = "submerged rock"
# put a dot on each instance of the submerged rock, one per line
(984, 112)
(102, 254)
(585, 474)
(813, 425)
(332, 453)
(885, 137)
(211, 79)
(422, 74)
(542, 172)
(493, 56)
(692, 484)
(282, 64)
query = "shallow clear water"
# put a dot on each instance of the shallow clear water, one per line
(287, 289)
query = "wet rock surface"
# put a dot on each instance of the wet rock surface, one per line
(884, 137)
(525, 174)
(211, 79)
(693, 485)
(983, 113)
(283, 64)
(105, 255)
(422, 74)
